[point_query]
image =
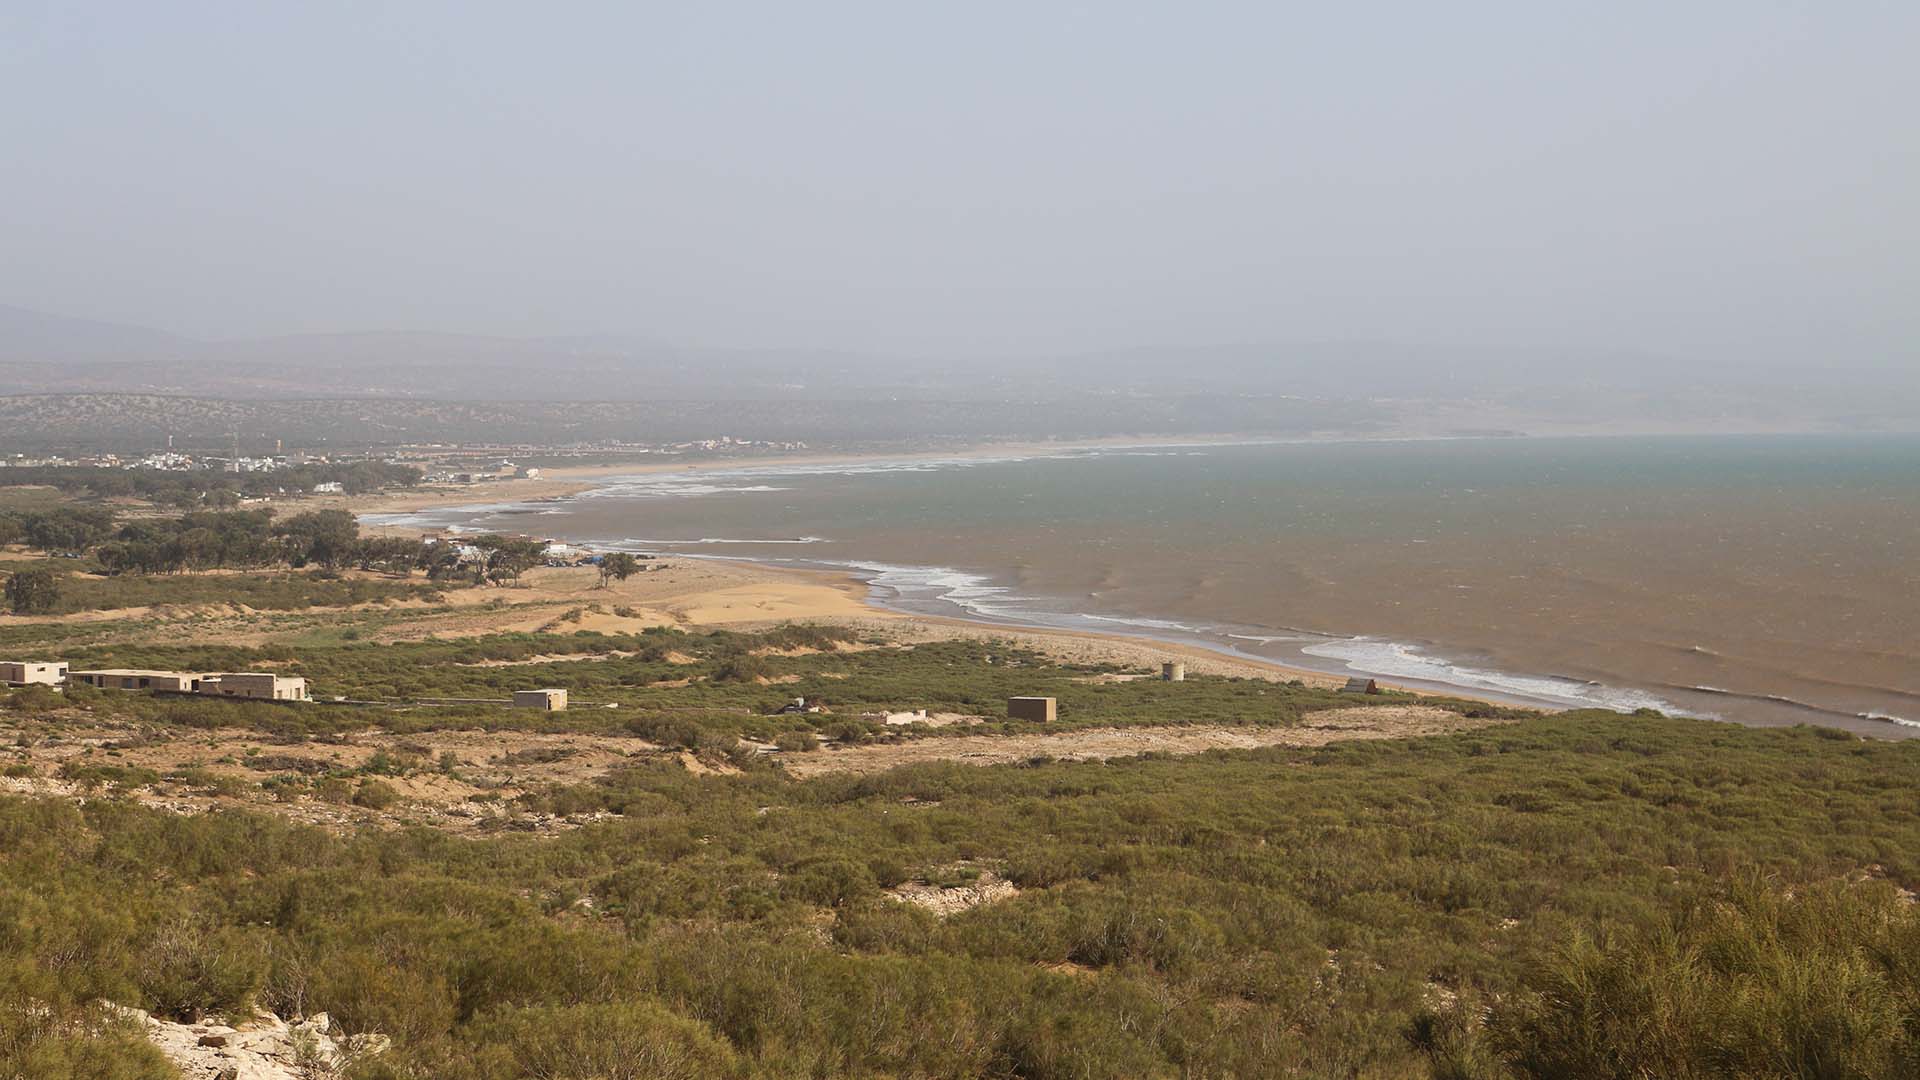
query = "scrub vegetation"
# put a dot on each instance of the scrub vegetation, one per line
(1583, 895)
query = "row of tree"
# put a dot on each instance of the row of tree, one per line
(199, 487)
(61, 530)
(255, 539)
(231, 539)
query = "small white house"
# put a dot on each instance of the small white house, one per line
(330, 487)
(32, 673)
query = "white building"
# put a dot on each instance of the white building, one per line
(32, 673)
(174, 682)
(257, 685)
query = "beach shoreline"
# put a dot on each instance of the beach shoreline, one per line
(981, 599)
(1093, 646)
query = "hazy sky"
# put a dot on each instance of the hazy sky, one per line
(1717, 180)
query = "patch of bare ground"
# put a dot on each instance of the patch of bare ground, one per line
(1099, 744)
(947, 900)
(461, 781)
(697, 767)
(808, 650)
(1073, 970)
(553, 658)
(923, 717)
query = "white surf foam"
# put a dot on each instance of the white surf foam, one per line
(753, 479)
(658, 543)
(1392, 659)
(974, 593)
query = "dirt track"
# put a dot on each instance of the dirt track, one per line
(1317, 729)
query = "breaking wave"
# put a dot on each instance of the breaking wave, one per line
(1394, 660)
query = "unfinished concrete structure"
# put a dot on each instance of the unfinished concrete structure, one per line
(1173, 671)
(255, 685)
(32, 673)
(1360, 685)
(548, 700)
(172, 682)
(1041, 709)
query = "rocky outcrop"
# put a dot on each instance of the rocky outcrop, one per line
(260, 1047)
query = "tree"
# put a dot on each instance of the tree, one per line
(32, 591)
(327, 537)
(68, 528)
(509, 556)
(391, 554)
(619, 565)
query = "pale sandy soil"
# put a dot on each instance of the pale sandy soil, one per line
(988, 888)
(494, 766)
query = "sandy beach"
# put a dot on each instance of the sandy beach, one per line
(705, 592)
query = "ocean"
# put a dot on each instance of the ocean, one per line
(1762, 579)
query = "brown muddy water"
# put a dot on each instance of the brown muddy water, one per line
(1765, 579)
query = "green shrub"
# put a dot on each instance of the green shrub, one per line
(634, 1040)
(375, 795)
(189, 969)
(40, 1042)
(795, 742)
(831, 882)
(88, 774)
(1757, 982)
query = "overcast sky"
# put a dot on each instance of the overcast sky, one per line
(1715, 180)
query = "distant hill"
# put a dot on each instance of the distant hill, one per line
(138, 421)
(1166, 388)
(35, 337)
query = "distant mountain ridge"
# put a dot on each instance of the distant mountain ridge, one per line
(27, 335)
(47, 354)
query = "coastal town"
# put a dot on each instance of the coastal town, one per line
(439, 463)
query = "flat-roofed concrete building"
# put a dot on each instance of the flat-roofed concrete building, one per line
(255, 685)
(32, 672)
(173, 682)
(1173, 671)
(1041, 709)
(549, 700)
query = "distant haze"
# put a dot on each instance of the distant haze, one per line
(1713, 187)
